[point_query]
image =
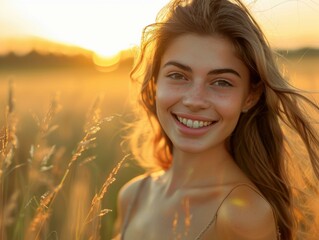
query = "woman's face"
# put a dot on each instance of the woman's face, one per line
(202, 88)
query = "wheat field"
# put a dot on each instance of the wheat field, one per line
(62, 161)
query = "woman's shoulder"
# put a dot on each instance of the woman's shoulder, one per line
(126, 198)
(246, 214)
(130, 189)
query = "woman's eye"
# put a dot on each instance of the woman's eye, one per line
(222, 83)
(177, 76)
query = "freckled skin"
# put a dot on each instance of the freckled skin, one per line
(200, 79)
(199, 94)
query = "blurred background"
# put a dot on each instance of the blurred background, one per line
(64, 68)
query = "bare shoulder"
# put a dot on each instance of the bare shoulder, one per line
(246, 214)
(129, 190)
(125, 198)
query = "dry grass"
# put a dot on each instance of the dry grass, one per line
(56, 170)
(42, 197)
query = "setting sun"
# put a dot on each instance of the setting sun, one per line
(108, 26)
(105, 27)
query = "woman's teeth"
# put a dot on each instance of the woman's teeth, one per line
(193, 123)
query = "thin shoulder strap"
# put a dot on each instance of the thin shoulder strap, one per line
(221, 203)
(132, 204)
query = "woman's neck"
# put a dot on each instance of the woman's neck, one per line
(198, 170)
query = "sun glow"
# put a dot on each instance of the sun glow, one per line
(109, 26)
(105, 27)
(106, 63)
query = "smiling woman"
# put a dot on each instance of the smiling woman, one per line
(212, 138)
(205, 84)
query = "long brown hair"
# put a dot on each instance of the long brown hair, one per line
(258, 144)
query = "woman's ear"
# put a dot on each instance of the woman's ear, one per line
(253, 97)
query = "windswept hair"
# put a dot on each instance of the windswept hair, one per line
(259, 144)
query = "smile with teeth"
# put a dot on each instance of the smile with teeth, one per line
(194, 123)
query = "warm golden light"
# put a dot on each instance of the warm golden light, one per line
(19, 47)
(238, 202)
(288, 24)
(105, 27)
(106, 63)
(108, 26)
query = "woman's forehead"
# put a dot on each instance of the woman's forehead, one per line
(200, 52)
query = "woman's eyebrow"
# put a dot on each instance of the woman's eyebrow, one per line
(212, 72)
(224, 70)
(179, 65)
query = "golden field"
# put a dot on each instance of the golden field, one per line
(61, 136)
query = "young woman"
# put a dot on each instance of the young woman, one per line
(212, 138)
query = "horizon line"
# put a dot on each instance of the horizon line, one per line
(49, 47)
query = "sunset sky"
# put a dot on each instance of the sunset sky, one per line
(107, 26)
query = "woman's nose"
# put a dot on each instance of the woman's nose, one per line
(195, 97)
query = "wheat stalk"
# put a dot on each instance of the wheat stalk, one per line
(43, 211)
(95, 213)
(8, 145)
